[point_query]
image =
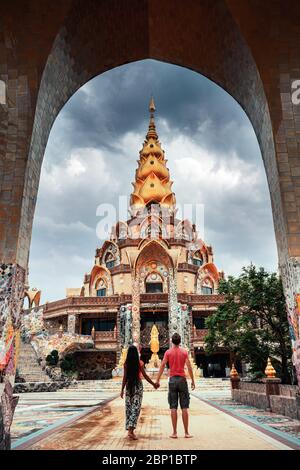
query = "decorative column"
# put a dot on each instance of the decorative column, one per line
(12, 278)
(272, 383)
(290, 273)
(72, 320)
(234, 379)
(174, 315)
(126, 325)
(184, 325)
(136, 326)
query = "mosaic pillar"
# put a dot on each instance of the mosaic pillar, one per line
(136, 325)
(72, 320)
(126, 325)
(290, 273)
(185, 326)
(12, 278)
(174, 316)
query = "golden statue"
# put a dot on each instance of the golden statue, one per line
(154, 346)
(122, 359)
(154, 341)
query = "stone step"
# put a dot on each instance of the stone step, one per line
(115, 385)
(28, 366)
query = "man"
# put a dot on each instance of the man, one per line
(177, 358)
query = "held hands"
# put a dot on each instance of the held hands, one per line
(156, 385)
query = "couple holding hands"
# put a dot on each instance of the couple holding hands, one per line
(134, 371)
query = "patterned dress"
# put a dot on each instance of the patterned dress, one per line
(133, 403)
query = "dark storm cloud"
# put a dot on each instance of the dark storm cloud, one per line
(212, 153)
(117, 102)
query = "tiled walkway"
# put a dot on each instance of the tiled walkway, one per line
(37, 412)
(283, 427)
(103, 428)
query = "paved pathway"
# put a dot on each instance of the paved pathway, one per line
(103, 428)
(37, 412)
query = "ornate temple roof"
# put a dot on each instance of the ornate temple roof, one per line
(152, 178)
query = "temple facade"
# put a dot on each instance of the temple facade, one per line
(153, 269)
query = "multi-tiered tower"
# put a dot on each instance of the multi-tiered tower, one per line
(152, 179)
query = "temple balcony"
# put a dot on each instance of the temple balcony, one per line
(187, 267)
(78, 305)
(105, 340)
(198, 337)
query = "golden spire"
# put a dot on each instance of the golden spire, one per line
(269, 370)
(152, 130)
(233, 372)
(152, 178)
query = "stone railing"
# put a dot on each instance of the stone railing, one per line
(193, 299)
(154, 298)
(136, 241)
(187, 267)
(71, 302)
(117, 300)
(288, 390)
(120, 268)
(268, 395)
(123, 243)
(103, 335)
(106, 340)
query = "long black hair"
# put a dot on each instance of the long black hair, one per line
(132, 365)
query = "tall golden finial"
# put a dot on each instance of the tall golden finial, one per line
(152, 105)
(152, 130)
(269, 370)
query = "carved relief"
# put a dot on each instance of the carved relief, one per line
(125, 325)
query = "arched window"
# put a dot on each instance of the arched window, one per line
(153, 283)
(109, 260)
(197, 259)
(207, 287)
(100, 288)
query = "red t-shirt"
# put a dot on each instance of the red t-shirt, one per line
(176, 358)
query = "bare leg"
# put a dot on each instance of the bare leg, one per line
(185, 420)
(174, 423)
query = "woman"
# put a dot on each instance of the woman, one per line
(134, 370)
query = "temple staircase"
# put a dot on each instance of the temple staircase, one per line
(28, 367)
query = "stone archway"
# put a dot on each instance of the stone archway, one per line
(248, 48)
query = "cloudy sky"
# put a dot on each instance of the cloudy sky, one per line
(213, 157)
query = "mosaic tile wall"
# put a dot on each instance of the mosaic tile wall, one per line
(11, 298)
(126, 325)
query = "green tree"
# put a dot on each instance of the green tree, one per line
(52, 358)
(252, 322)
